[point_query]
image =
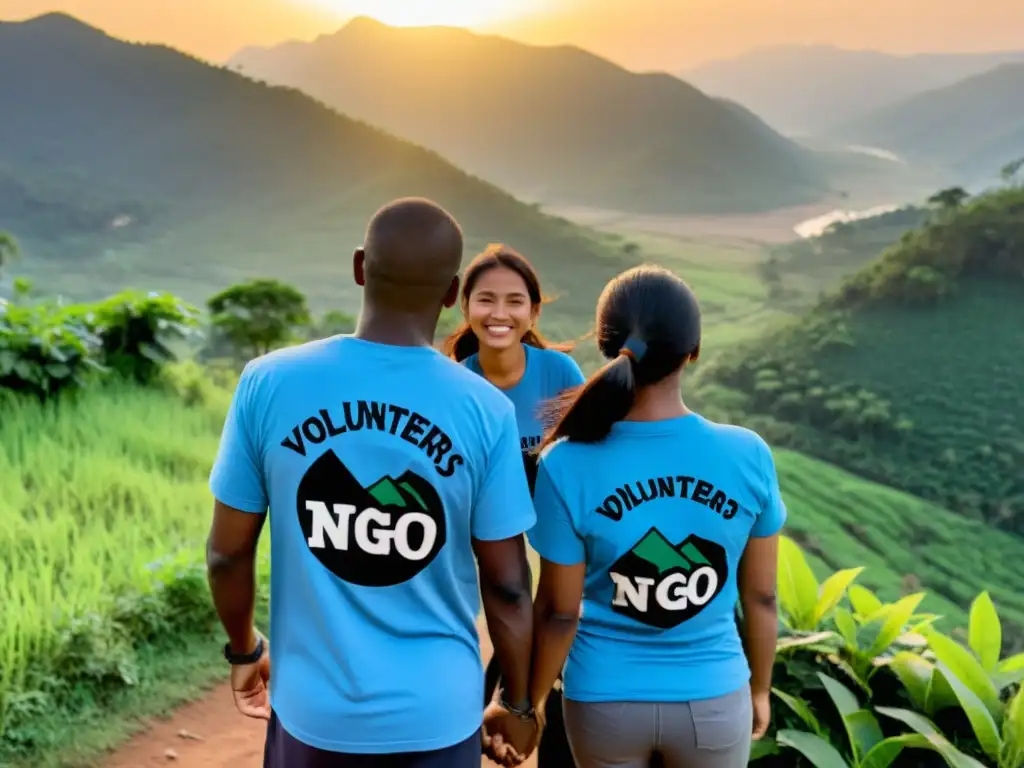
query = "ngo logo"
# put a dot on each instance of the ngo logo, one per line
(375, 536)
(662, 585)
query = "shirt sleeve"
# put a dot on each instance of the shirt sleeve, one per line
(503, 508)
(554, 536)
(773, 513)
(572, 375)
(237, 475)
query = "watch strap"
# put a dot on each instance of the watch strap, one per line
(244, 658)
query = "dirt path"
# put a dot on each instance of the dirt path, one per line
(211, 734)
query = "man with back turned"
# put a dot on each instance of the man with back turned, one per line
(385, 468)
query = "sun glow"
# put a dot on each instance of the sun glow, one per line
(450, 13)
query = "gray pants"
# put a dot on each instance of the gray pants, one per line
(707, 733)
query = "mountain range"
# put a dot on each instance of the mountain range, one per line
(972, 127)
(812, 89)
(128, 164)
(554, 124)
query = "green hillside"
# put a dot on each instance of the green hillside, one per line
(794, 269)
(125, 164)
(105, 510)
(910, 372)
(971, 127)
(556, 124)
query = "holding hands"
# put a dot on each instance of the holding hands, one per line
(509, 734)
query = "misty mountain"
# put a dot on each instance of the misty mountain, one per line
(972, 127)
(554, 124)
(810, 89)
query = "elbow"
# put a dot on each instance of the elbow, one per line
(508, 594)
(761, 601)
(219, 561)
(555, 617)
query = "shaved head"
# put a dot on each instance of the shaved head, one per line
(413, 251)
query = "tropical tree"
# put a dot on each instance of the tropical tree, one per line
(258, 316)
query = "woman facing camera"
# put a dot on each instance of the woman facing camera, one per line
(657, 520)
(499, 340)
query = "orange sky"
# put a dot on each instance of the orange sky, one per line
(641, 34)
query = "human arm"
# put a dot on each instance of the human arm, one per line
(239, 515)
(562, 575)
(758, 576)
(757, 579)
(502, 513)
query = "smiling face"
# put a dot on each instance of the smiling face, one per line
(498, 308)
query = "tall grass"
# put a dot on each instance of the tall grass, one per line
(104, 502)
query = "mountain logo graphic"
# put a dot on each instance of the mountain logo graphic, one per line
(375, 536)
(662, 585)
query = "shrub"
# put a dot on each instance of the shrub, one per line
(43, 350)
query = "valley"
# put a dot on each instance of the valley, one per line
(861, 286)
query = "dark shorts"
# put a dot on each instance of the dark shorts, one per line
(284, 751)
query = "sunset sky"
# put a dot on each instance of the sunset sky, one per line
(640, 34)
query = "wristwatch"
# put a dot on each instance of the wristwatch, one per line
(239, 659)
(523, 713)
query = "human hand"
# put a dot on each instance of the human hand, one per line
(250, 686)
(507, 738)
(762, 712)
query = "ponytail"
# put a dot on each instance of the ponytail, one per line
(586, 414)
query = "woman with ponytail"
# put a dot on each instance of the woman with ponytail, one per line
(657, 521)
(499, 340)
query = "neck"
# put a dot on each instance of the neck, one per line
(398, 328)
(503, 367)
(658, 402)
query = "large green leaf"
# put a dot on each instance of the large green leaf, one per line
(1009, 671)
(968, 670)
(863, 600)
(894, 618)
(798, 589)
(832, 591)
(884, 752)
(984, 725)
(926, 728)
(847, 627)
(819, 752)
(915, 673)
(861, 727)
(763, 748)
(1013, 730)
(801, 709)
(801, 641)
(985, 632)
(841, 696)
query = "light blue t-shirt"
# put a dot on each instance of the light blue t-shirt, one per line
(379, 464)
(661, 513)
(548, 373)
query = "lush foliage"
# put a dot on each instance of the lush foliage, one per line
(101, 529)
(984, 237)
(907, 374)
(868, 684)
(258, 316)
(47, 347)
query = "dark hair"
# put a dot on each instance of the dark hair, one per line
(648, 327)
(463, 342)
